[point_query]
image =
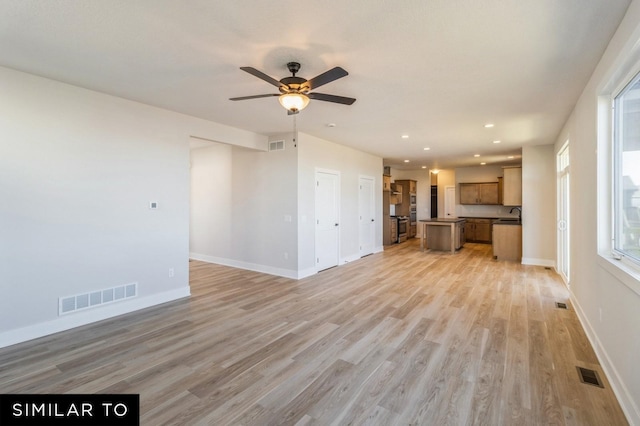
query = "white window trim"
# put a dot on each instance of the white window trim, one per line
(622, 268)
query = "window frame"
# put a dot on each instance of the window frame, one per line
(629, 81)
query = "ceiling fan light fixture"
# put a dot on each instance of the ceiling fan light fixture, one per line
(294, 102)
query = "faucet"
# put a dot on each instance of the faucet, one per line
(519, 212)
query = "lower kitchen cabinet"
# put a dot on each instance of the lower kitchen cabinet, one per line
(507, 242)
(478, 230)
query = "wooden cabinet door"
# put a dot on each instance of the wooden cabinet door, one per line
(512, 185)
(488, 193)
(386, 183)
(483, 232)
(468, 193)
(469, 232)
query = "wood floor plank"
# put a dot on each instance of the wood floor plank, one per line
(398, 337)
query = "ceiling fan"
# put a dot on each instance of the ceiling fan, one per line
(295, 92)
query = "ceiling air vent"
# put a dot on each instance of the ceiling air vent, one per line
(276, 145)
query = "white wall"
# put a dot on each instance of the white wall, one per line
(265, 195)
(211, 208)
(602, 293)
(77, 172)
(317, 153)
(241, 200)
(539, 205)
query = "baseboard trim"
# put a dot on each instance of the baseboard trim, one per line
(627, 404)
(538, 262)
(281, 272)
(73, 320)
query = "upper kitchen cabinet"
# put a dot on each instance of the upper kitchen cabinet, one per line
(386, 183)
(512, 186)
(479, 193)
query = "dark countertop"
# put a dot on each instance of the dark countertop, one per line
(507, 222)
(443, 220)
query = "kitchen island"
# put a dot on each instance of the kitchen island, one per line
(442, 234)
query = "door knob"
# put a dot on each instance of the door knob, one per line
(336, 224)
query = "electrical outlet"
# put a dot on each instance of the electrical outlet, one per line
(172, 272)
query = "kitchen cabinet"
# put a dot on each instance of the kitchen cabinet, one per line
(406, 207)
(386, 183)
(478, 230)
(479, 193)
(512, 186)
(393, 230)
(396, 195)
(507, 242)
(386, 218)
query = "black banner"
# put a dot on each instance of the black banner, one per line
(70, 410)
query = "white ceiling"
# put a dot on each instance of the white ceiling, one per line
(436, 70)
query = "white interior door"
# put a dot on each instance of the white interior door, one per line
(367, 215)
(327, 219)
(450, 201)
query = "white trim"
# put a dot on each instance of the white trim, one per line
(621, 270)
(281, 272)
(67, 322)
(623, 395)
(539, 262)
(351, 258)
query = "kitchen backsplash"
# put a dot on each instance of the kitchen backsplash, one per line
(464, 210)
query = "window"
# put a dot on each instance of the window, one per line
(563, 212)
(626, 171)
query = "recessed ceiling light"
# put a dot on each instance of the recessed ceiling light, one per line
(427, 149)
(435, 171)
(511, 156)
(424, 167)
(476, 155)
(405, 136)
(488, 125)
(482, 164)
(406, 161)
(331, 124)
(496, 141)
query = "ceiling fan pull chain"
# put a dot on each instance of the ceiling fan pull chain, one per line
(295, 129)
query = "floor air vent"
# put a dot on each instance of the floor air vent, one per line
(589, 377)
(561, 305)
(79, 302)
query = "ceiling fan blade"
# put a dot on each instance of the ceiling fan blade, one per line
(262, 76)
(331, 98)
(326, 77)
(242, 98)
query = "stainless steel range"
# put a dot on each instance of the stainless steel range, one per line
(403, 227)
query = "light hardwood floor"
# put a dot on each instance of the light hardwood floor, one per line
(400, 337)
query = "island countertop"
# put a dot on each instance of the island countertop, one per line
(443, 220)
